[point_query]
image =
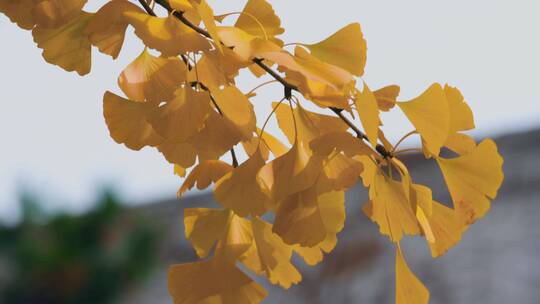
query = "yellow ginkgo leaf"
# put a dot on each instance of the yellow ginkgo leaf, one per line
(67, 46)
(327, 143)
(387, 97)
(207, 16)
(422, 196)
(339, 173)
(294, 171)
(240, 41)
(108, 27)
(473, 179)
(272, 143)
(19, 12)
(56, 13)
(237, 240)
(447, 226)
(368, 110)
(369, 169)
(298, 219)
(237, 108)
(460, 143)
(179, 153)
(183, 116)
(216, 70)
(390, 208)
(317, 70)
(152, 78)
(308, 72)
(306, 218)
(270, 256)
(212, 282)
(242, 190)
(217, 136)
(309, 125)
(314, 255)
(205, 173)
(204, 227)
(259, 19)
(461, 116)
(127, 123)
(346, 48)
(256, 145)
(167, 35)
(409, 289)
(429, 114)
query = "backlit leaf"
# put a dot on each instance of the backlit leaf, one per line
(205, 173)
(346, 48)
(242, 190)
(127, 123)
(212, 282)
(473, 179)
(183, 116)
(152, 78)
(167, 35)
(409, 289)
(270, 256)
(430, 116)
(368, 110)
(108, 27)
(66, 46)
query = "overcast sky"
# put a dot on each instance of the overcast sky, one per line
(55, 141)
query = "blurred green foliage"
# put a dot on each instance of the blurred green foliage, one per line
(62, 258)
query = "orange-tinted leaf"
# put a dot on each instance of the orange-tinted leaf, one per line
(179, 153)
(204, 227)
(66, 46)
(207, 15)
(270, 256)
(237, 108)
(56, 13)
(242, 190)
(19, 12)
(306, 218)
(152, 78)
(216, 137)
(167, 35)
(212, 282)
(108, 27)
(259, 19)
(205, 173)
(183, 116)
(127, 123)
(387, 97)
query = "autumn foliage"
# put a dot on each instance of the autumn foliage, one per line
(180, 97)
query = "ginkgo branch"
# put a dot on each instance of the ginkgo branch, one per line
(288, 87)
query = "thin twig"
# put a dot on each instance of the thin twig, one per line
(288, 87)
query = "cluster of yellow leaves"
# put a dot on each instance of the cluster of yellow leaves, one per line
(185, 103)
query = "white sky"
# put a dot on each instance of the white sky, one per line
(55, 142)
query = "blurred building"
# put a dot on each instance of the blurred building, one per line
(497, 261)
